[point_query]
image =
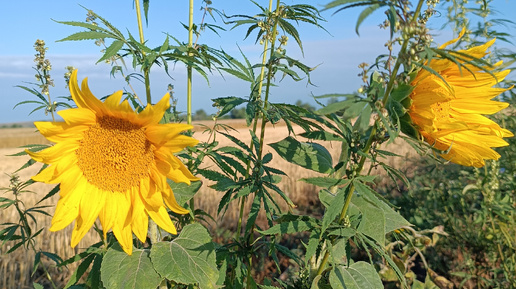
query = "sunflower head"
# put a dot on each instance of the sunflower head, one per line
(113, 164)
(447, 107)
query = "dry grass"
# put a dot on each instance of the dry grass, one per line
(16, 268)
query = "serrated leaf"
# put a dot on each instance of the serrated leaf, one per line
(112, 50)
(393, 220)
(86, 35)
(52, 192)
(289, 227)
(362, 123)
(81, 24)
(222, 272)
(325, 182)
(307, 155)
(322, 135)
(188, 259)
(94, 274)
(81, 269)
(31, 147)
(255, 209)
(338, 251)
(364, 14)
(335, 206)
(120, 270)
(184, 192)
(226, 104)
(373, 219)
(350, 106)
(360, 275)
(146, 11)
(311, 247)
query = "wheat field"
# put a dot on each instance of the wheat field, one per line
(16, 268)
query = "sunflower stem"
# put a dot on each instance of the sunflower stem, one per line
(189, 85)
(351, 188)
(255, 126)
(153, 227)
(268, 83)
(146, 70)
(189, 68)
(153, 231)
(403, 49)
(264, 120)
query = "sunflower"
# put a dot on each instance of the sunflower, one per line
(448, 111)
(113, 163)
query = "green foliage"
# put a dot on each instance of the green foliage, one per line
(308, 155)
(359, 240)
(184, 192)
(360, 275)
(188, 259)
(120, 270)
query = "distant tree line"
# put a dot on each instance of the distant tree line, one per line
(239, 112)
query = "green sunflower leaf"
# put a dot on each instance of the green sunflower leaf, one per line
(119, 270)
(188, 259)
(360, 275)
(373, 219)
(184, 192)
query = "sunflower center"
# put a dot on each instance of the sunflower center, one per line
(441, 110)
(114, 154)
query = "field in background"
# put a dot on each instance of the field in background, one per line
(15, 269)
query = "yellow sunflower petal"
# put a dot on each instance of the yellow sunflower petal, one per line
(454, 40)
(53, 153)
(479, 51)
(159, 134)
(70, 181)
(140, 221)
(60, 131)
(84, 99)
(124, 237)
(78, 116)
(55, 173)
(172, 173)
(474, 106)
(113, 101)
(170, 201)
(178, 143)
(162, 219)
(89, 209)
(67, 210)
(109, 212)
(168, 195)
(126, 107)
(153, 114)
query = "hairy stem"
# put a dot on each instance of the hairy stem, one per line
(403, 49)
(153, 227)
(255, 126)
(189, 84)
(351, 188)
(189, 68)
(146, 70)
(268, 83)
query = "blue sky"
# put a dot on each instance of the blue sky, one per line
(337, 53)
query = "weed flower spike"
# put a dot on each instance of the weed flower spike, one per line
(113, 163)
(449, 115)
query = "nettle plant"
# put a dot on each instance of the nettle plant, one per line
(134, 167)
